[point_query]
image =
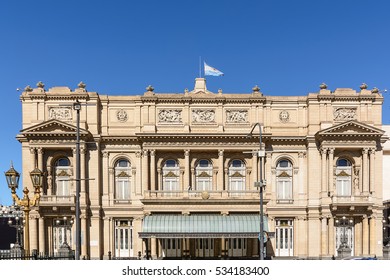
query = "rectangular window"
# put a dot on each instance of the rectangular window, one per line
(284, 189)
(343, 186)
(122, 189)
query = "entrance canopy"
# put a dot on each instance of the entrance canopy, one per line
(198, 226)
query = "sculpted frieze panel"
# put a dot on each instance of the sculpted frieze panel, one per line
(236, 116)
(344, 114)
(60, 113)
(170, 116)
(203, 116)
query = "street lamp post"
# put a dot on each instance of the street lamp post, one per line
(18, 223)
(261, 184)
(77, 108)
(13, 177)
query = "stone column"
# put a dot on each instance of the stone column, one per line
(323, 152)
(365, 171)
(358, 238)
(137, 227)
(372, 236)
(138, 173)
(330, 172)
(365, 236)
(41, 224)
(153, 185)
(111, 179)
(40, 164)
(331, 234)
(144, 172)
(82, 170)
(32, 158)
(106, 197)
(159, 179)
(33, 233)
(220, 185)
(187, 172)
(324, 236)
(133, 182)
(84, 240)
(40, 159)
(153, 248)
(255, 169)
(372, 172)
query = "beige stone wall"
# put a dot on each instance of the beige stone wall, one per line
(149, 128)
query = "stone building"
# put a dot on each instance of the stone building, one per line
(174, 174)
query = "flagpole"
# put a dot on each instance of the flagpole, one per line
(200, 67)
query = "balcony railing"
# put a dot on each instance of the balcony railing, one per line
(49, 200)
(352, 200)
(202, 194)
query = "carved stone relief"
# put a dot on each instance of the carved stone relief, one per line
(170, 116)
(344, 114)
(236, 116)
(203, 116)
(284, 116)
(60, 113)
(121, 115)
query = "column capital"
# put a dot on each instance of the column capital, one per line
(323, 151)
(137, 154)
(145, 153)
(187, 153)
(220, 153)
(40, 150)
(365, 151)
(32, 150)
(105, 154)
(152, 153)
(372, 151)
(301, 154)
(331, 151)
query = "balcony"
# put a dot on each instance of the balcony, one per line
(57, 200)
(356, 200)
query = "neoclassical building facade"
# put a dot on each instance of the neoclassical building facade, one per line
(174, 175)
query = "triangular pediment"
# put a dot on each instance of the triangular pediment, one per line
(52, 127)
(351, 128)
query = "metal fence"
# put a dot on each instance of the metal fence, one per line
(22, 255)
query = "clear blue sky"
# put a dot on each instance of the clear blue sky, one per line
(120, 47)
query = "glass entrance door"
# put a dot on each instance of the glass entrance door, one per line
(284, 238)
(344, 234)
(123, 239)
(204, 247)
(171, 247)
(237, 247)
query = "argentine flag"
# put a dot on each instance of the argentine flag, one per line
(211, 71)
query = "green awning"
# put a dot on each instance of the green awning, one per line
(197, 226)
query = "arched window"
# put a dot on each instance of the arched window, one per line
(343, 177)
(170, 172)
(122, 180)
(62, 173)
(236, 177)
(284, 185)
(204, 175)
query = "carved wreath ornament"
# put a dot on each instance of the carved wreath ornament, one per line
(121, 115)
(284, 116)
